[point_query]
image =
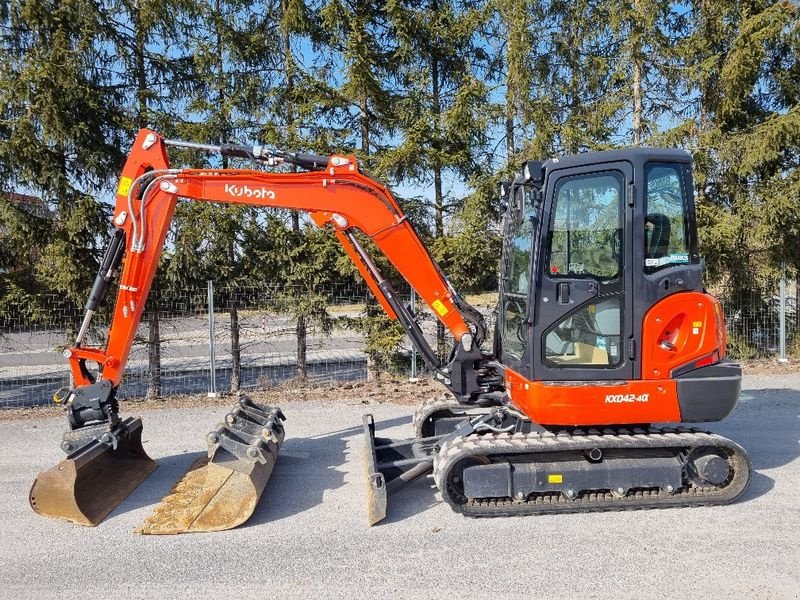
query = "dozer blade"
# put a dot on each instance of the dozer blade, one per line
(376, 483)
(392, 464)
(222, 491)
(94, 479)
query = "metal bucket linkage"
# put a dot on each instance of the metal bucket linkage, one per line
(95, 478)
(222, 491)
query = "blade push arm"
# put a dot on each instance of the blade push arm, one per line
(338, 195)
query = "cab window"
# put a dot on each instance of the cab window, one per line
(586, 229)
(517, 275)
(665, 221)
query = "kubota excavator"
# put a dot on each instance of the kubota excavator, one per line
(603, 331)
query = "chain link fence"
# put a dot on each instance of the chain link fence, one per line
(251, 342)
(172, 352)
(762, 323)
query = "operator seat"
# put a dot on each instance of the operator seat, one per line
(657, 235)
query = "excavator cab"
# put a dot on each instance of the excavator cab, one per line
(601, 280)
(591, 242)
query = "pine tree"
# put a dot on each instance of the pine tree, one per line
(360, 35)
(576, 103)
(645, 32)
(296, 117)
(151, 74)
(514, 64)
(744, 128)
(61, 134)
(229, 80)
(442, 114)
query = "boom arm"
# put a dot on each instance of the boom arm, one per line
(338, 195)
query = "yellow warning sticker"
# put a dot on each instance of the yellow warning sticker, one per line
(439, 307)
(124, 186)
(555, 478)
(697, 324)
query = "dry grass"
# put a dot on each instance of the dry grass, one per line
(388, 390)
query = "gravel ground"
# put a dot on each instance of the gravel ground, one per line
(309, 539)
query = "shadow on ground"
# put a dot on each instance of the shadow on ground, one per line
(307, 468)
(766, 423)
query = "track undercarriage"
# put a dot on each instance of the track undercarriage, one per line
(493, 461)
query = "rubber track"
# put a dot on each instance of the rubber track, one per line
(541, 443)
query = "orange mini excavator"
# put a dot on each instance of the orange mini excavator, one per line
(603, 331)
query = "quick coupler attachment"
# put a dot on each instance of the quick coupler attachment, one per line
(104, 464)
(390, 465)
(222, 490)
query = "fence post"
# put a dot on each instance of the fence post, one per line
(212, 392)
(782, 317)
(413, 347)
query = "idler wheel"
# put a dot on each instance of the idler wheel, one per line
(712, 468)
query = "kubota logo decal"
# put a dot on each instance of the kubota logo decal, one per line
(622, 398)
(239, 191)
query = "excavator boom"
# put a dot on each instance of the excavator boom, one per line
(222, 492)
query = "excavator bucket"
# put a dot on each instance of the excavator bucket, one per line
(221, 491)
(92, 480)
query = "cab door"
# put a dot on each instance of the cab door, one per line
(583, 308)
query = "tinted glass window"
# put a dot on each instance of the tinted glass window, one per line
(665, 220)
(520, 254)
(590, 336)
(586, 230)
(517, 275)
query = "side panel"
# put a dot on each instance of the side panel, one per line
(666, 262)
(678, 330)
(595, 403)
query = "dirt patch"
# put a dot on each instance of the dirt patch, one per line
(393, 390)
(387, 390)
(770, 366)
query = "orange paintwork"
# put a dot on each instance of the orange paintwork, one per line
(679, 329)
(339, 196)
(594, 403)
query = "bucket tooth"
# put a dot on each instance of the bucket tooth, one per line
(221, 491)
(94, 479)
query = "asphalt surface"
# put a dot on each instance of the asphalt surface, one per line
(309, 538)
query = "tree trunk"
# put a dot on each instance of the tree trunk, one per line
(221, 81)
(154, 358)
(638, 66)
(236, 350)
(438, 198)
(511, 89)
(364, 122)
(288, 68)
(510, 149)
(302, 365)
(638, 132)
(141, 70)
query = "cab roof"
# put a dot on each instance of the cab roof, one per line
(632, 155)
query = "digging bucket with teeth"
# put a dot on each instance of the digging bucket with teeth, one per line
(98, 473)
(222, 491)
